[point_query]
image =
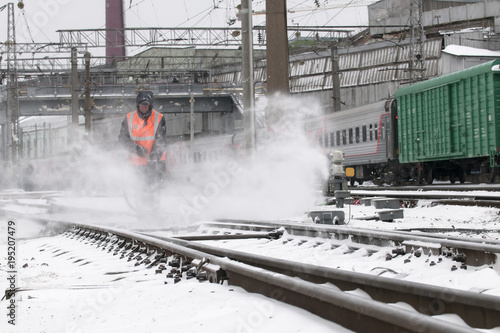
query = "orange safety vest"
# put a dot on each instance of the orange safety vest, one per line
(143, 135)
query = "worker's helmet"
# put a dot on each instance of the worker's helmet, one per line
(145, 96)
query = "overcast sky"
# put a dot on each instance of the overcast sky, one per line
(40, 19)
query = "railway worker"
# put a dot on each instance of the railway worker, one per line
(143, 135)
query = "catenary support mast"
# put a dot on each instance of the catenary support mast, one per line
(12, 87)
(277, 47)
(247, 74)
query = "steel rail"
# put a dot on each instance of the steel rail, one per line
(437, 299)
(429, 232)
(478, 252)
(433, 187)
(405, 194)
(478, 310)
(351, 311)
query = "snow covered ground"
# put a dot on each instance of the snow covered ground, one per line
(61, 296)
(64, 296)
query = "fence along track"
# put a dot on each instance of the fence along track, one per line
(349, 310)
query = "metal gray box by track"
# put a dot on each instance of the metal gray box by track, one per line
(365, 201)
(386, 203)
(389, 215)
(328, 217)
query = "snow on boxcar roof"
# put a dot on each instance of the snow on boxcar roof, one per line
(448, 78)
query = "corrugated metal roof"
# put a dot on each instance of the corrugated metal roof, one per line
(349, 60)
(381, 64)
(380, 57)
(472, 71)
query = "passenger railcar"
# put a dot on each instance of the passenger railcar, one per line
(447, 128)
(366, 135)
(206, 152)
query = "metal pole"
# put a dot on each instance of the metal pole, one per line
(417, 40)
(247, 74)
(191, 125)
(88, 115)
(12, 86)
(74, 96)
(277, 47)
(335, 79)
(36, 141)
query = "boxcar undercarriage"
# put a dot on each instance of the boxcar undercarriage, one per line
(472, 170)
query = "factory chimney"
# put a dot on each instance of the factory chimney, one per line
(115, 38)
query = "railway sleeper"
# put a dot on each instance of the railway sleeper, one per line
(151, 256)
(433, 248)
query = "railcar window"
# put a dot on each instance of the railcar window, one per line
(357, 134)
(320, 140)
(326, 140)
(344, 137)
(376, 132)
(371, 132)
(338, 138)
(351, 139)
(332, 139)
(363, 132)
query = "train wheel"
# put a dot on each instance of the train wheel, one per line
(462, 176)
(420, 177)
(491, 176)
(430, 176)
(425, 176)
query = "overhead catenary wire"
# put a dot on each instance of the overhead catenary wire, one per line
(23, 12)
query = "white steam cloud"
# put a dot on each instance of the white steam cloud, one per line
(281, 180)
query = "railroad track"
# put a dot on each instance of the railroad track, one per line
(470, 251)
(330, 293)
(459, 195)
(432, 187)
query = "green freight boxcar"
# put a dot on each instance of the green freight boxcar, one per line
(452, 122)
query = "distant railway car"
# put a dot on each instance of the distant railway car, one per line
(450, 125)
(447, 128)
(366, 135)
(207, 151)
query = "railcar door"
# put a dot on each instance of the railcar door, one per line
(392, 131)
(387, 136)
